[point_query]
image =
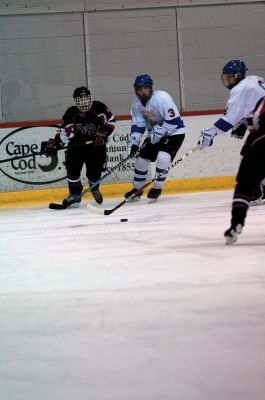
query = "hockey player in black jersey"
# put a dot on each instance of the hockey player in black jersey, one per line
(85, 129)
(251, 171)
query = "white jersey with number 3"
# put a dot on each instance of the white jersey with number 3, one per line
(159, 109)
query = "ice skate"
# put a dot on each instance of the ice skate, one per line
(231, 235)
(72, 200)
(258, 197)
(129, 194)
(153, 195)
(97, 196)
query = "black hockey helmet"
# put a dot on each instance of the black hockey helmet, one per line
(83, 98)
(81, 91)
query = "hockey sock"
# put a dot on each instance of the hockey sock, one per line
(162, 162)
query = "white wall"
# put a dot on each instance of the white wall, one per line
(45, 54)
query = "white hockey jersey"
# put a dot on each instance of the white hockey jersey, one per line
(242, 101)
(160, 109)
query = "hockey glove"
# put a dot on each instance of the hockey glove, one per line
(100, 138)
(133, 144)
(157, 133)
(102, 120)
(239, 132)
(206, 137)
(51, 147)
(68, 129)
(134, 150)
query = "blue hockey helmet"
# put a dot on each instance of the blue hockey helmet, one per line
(143, 80)
(234, 67)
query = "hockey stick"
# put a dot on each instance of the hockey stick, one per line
(20, 157)
(104, 176)
(60, 206)
(42, 154)
(165, 171)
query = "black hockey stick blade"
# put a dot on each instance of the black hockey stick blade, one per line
(108, 212)
(136, 194)
(58, 206)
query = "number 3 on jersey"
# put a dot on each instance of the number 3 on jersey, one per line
(171, 112)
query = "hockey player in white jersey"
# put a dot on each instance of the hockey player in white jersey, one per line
(245, 92)
(153, 111)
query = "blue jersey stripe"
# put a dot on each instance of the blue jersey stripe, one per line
(175, 121)
(223, 125)
(138, 129)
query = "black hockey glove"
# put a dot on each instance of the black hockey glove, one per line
(239, 132)
(134, 150)
(50, 148)
(101, 138)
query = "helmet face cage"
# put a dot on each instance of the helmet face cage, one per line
(83, 98)
(143, 80)
(83, 103)
(236, 68)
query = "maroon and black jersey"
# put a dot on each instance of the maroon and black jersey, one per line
(99, 115)
(81, 126)
(257, 120)
(256, 125)
(85, 133)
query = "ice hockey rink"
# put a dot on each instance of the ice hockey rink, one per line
(156, 308)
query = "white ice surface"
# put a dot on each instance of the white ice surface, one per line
(156, 308)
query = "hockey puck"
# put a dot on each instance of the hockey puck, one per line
(124, 220)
